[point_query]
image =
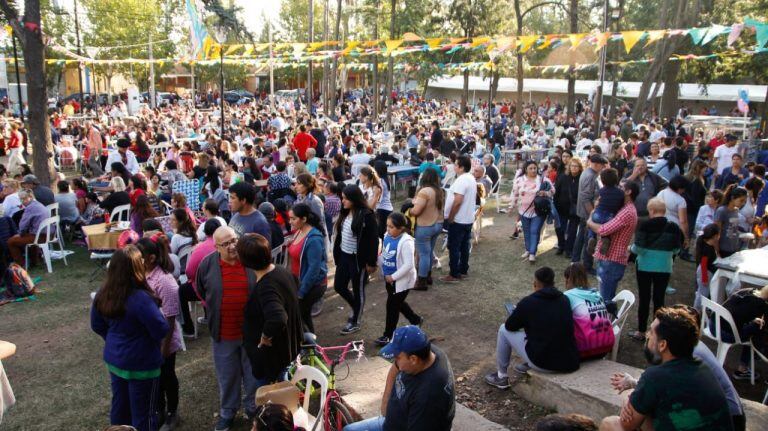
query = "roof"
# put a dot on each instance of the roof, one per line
(626, 89)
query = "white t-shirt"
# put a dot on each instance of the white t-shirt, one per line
(724, 155)
(11, 204)
(358, 161)
(466, 186)
(674, 202)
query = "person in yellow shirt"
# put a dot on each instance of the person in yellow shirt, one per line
(69, 110)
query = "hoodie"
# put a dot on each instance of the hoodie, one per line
(656, 241)
(313, 263)
(546, 317)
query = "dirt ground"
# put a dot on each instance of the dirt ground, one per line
(61, 382)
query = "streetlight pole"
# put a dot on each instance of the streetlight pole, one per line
(221, 92)
(79, 64)
(18, 79)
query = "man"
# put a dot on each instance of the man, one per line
(122, 155)
(312, 162)
(491, 170)
(94, 143)
(735, 174)
(34, 214)
(677, 392)
(585, 203)
(43, 194)
(611, 266)
(436, 139)
(540, 331)
(303, 141)
(657, 133)
(650, 185)
(644, 147)
(481, 178)
(681, 153)
(584, 143)
(459, 216)
(245, 218)
(225, 284)
(723, 157)
(319, 135)
(359, 159)
(717, 141)
(419, 393)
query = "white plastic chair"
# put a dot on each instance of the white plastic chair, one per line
(722, 314)
(624, 301)
(117, 213)
(49, 227)
(53, 209)
(312, 375)
(280, 255)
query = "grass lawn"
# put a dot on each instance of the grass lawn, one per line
(62, 384)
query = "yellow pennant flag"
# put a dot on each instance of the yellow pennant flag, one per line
(434, 42)
(480, 40)
(393, 45)
(600, 40)
(371, 43)
(207, 43)
(350, 46)
(412, 37)
(215, 51)
(575, 39)
(455, 40)
(298, 48)
(654, 36)
(260, 47)
(248, 51)
(314, 46)
(505, 42)
(547, 41)
(526, 42)
(8, 29)
(232, 49)
(631, 38)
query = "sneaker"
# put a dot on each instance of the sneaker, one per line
(317, 308)
(202, 320)
(745, 375)
(532, 258)
(418, 322)
(449, 279)
(224, 424)
(515, 235)
(381, 341)
(350, 328)
(522, 368)
(171, 422)
(186, 334)
(525, 255)
(671, 290)
(421, 284)
(494, 380)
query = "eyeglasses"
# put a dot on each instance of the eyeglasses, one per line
(231, 243)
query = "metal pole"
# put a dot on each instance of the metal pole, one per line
(271, 71)
(153, 100)
(18, 79)
(603, 55)
(221, 92)
(79, 65)
(192, 67)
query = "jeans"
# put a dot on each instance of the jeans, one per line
(168, 401)
(187, 294)
(459, 236)
(395, 305)
(580, 250)
(566, 233)
(133, 402)
(233, 369)
(372, 424)
(348, 270)
(608, 276)
(426, 237)
(532, 232)
(650, 285)
(506, 342)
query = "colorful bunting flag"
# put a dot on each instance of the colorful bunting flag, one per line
(631, 38)
(576, 39)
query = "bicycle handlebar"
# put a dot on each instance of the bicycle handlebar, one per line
(352, 346)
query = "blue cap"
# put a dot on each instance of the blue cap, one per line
(406, 339)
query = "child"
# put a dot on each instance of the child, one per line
(332, 192)
(706, 253)
(397, 266)
(610, 201)
(93, 213)
(706, 215)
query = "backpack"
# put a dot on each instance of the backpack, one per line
(17, 282)
(542, 205)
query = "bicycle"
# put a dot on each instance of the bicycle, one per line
(335, 413)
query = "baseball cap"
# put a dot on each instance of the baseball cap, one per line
(598, 158)
(30, 179)
(267, 209)
(406, 339)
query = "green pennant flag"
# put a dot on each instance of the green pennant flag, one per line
(714, 31)
(761, 33)
(697, 34)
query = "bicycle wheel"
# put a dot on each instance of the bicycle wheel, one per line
(338, 416)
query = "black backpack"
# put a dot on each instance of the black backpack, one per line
(542, 205)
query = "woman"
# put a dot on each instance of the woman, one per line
(654, 157)
(307, 259)
(696, 193)
(706, 254)
(305, 189)
(179, 201)
(667, 166)
(81, 192)
(525, 189)
(618, 157)
(184, 234)
(727, 219)
(332, 204)
(138, 188)
(428, 211)
(118, 196)
(592, 327)
(566, 195)
(141, 211)
(749, 308)
(212, 186)
(158, 270)
(384, 208)
(754, 186)
(211, 211)
(126, 314)
(355, 251)
(339, 168)
(272, 332)
(657, 240)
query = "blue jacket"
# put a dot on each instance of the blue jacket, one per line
(313, 262)
(132, 342)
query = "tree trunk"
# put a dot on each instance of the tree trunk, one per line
(465, 92)
(764, 115)
(343, 73)
(494, 83)
(669, 102)
(376, 67)
(310, 39)
(335, 67)
(390, 66)
(573, 14)
(326, 71)
(519, 102)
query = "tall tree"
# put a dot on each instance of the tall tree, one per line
(573, 18)
(28, 33)
(390, 64)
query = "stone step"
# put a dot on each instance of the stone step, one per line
(363, 387)
(589, 392)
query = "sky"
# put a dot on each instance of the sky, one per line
(252, 11)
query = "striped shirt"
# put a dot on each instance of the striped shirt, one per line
(234, 295)
(348, 238)
(620, 229)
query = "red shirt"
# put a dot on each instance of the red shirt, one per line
(294, 252)
(303, 141)
(234, 295)
(134, 195)
(714, 143)
(620, 229)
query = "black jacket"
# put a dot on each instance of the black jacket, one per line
(566, 194)
(273, 310)
(364, 226)
(546, 317)
(436, 138)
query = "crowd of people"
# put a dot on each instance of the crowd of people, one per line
(210, 214)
